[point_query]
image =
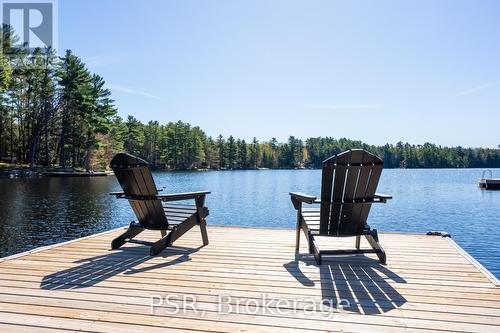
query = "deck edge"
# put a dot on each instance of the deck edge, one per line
(48, 247)
(493, 279)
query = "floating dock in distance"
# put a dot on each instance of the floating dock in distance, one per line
(76, 174)
(247, 280)
(489, 183)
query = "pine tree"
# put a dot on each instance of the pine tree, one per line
(231, 152)
(243, 154)
(5, 79)
(74, 97)
(197, 140)
(97, 115)
(222, 152)
(255, 153)
(134, 137)
(152, 138)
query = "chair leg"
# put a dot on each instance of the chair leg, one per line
(315, 250)
(297, 233)
(310, 243)
(204, 233)
(200, 202)
(160, 245)
(132, 231)
(358, 242)
(375, 244)
(172, 236)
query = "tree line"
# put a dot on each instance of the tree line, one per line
(178, 146)
(55, 112)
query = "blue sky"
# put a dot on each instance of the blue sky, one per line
(378, 71)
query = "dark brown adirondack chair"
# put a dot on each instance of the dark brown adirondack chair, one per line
(172, 220)
(348, 186)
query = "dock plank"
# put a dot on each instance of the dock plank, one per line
(429, 283)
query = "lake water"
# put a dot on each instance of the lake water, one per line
(43, 211)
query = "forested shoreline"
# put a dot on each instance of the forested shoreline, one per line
(55, 113)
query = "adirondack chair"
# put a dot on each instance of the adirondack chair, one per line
(172, 220)
(348, 185)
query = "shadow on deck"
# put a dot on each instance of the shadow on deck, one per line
(99, 268)
(356, 284)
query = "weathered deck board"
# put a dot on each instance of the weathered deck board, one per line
(428, 284)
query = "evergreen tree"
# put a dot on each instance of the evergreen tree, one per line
(152, 142)
(5, 80)
(222, 152)
(75, 88)
(255, 153)
(232, 151)
(134, 136)
(242, 154)
(211, 154)
(97, 115)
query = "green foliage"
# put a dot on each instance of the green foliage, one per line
(134, 136)
(5, 73)
(86, 110)
(405, 155)
(182, 147)
(51, 109)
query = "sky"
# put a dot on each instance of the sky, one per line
(378, 71)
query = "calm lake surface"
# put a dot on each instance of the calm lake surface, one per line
(43, 211)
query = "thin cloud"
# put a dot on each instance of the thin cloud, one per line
(478, 88)
(346, 106)
(132, 91)
(100, 61)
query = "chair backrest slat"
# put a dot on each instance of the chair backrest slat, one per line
(359, 194)
(347, 178)
(337, 192)
(371, 187)
(136, 180)
(355, 160)
(326, 196)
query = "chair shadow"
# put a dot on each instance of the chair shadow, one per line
(93, 270)
(357, 283)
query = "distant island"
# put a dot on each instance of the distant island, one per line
(55, 113)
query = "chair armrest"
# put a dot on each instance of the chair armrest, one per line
(382, 197)
(182, 196)
(303, 197)
(298, 198)
(118, 194)
(377, 198)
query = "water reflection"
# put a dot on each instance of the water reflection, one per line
(42, 211)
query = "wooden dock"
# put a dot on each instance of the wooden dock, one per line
(77, 174)
(489, 183)
(429, 283)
